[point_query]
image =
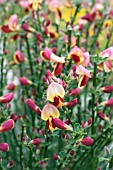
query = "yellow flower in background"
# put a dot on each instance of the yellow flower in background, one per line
(68, 12)
(52, 32)
(108, 22)
(36, 4)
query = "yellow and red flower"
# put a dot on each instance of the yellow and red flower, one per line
(51, 115)
(106, 65)
(48, 55)
(55, 93)
(12, 24)
(83, 76)
(79, 57)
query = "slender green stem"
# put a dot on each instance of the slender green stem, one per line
(93, 98)
(2, 65)
(69, 39)
(29, 56)
(21, 154)
(79, 110)
(76, 11)
(97, 34)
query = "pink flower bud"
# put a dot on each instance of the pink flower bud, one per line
(101, 115)
(55, 157)
(98, 168)
(7, 98)
(100, 127)
(35, 141)
(4, 147)
(82, 124)
(24, 81)
(8, 106)
(49, 73)
(26, 27)
(107, 89)
(72, 153)
(45, 80)
(61, 125)
(38, 37)
(67, 137)
(89, 121)
(10, 164)
(11, 86)
(54, 50)
(107, 103)
(30, 103)
(71, 103)
(7, 125)
(74, 92)
(37, 60)
(67, 121)
(63, 135)
(87, 141)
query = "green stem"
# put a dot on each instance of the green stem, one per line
(93, 98)
(2, 65)
(69, 39)
(29, 57)
(79, 110)
(22, 133)
(76, 11)
(97, 34)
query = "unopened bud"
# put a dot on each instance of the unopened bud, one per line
(30, 103)
(11, 86)
(61, 125)
(107, 103)
(87, 141)
(72, 153)
(101, 115)
(35, 141)
(24, 81)
(6, 98)
(74, 92)
(10, 164)
(55, 157)
(7, 125)
(107, 89)
(4, 147)
(71, 103)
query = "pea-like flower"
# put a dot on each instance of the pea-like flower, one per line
(55, 93)
(83, 76)
(48, 113)
(48, 55)
(12, 24)
(106, 65)
(79, 57)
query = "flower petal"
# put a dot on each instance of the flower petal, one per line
(48, 111)
(53, 90)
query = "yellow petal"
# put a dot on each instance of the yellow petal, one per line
(48, 111)
(53, 90)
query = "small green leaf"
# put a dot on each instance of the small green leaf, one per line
(62, 154)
